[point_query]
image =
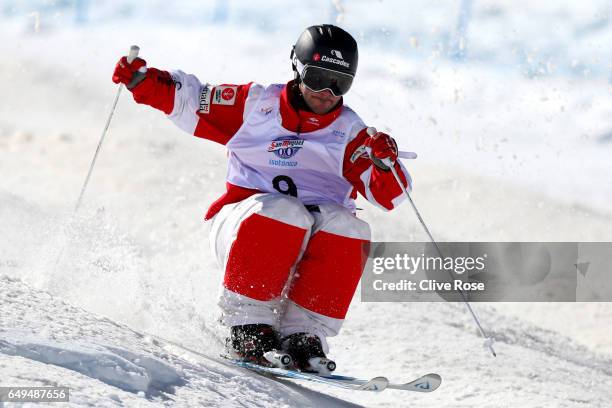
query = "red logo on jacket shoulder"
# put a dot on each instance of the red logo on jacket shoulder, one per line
(227, 94)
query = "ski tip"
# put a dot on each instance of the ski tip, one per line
(427, 383)
(375, 384)
(433, 376)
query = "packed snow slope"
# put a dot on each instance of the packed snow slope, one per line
(45, 341)
(502, 157)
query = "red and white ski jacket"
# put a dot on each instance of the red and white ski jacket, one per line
(272, 146)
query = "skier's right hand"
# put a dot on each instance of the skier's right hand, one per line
(124, 71)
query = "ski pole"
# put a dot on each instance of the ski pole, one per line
(134, 49)
(488, 343)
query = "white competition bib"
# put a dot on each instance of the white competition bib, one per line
(265, 156)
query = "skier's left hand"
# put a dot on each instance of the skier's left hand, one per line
(382, 146)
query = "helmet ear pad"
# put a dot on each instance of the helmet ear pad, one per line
(296, 74)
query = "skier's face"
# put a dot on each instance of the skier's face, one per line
(320, 102)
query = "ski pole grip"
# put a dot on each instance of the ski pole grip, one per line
(371, 131)
(142, 72)
(133, 54)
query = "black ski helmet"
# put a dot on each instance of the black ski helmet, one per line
(326, 46)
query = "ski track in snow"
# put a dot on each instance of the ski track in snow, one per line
(131, 367)
(138, 253)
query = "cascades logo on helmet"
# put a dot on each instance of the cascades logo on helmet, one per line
(286, 147)
(326, 46)
(335, 61)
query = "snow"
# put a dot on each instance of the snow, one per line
(116, 367)
(45, 341)
(513, 144)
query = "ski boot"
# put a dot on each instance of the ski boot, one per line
(307, 353)
(258, 344)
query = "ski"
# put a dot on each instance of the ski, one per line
(426, 383)
(350, 383)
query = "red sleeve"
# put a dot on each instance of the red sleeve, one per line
(374, 184)
(203, 110)
(225, 114)
(156, 90)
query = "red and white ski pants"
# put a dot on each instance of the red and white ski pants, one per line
(286, 266)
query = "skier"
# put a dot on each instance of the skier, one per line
(285, 231)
